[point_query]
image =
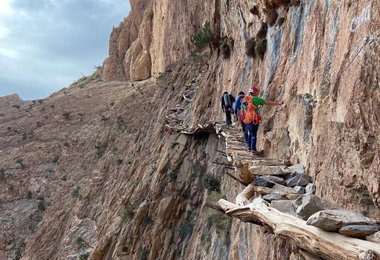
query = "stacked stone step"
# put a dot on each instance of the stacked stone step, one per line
(280, 178)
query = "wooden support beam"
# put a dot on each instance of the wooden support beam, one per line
(211, 205)
(220, 163)
(224, 153)
(325, 244)
(233, 177)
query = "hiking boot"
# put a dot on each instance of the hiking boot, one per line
(258, 153)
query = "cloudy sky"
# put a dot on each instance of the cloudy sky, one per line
(45, 45)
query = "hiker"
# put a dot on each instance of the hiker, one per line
(237, 107)
(250, 108)
(227, 101)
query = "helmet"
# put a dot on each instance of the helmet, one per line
(254, 89)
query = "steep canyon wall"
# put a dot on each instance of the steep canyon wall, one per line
(98, 162)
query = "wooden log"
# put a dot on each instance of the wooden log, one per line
(221, 163)
(243, 197)
(211, 205)
(328, 245)
(235, 178)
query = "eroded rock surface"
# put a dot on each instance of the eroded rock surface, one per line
(111, 172)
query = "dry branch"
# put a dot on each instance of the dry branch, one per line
(322, 243)
(235, 178)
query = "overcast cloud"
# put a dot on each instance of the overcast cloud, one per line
(45, 45)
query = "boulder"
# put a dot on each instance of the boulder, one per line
(285, 206)
(276, 179)
(264, 169)
(375, 237)
(264, 182)
(333, 220)
(299, 189)
(296, 168)
(298, 180)
(308, 205)
(310, 189)
(358, 230)
(270, 197)
(279, 187)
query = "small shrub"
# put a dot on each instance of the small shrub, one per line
(206, 241)
(120, 123)
(55, 159)
(225, 48)
(66, 114)
(20, 162)
(29, 195)
(41, 204)
(173, 145)
(66, 144)
(211, 183)
(75, 192)
(84, 256)
(280, 21)
(260, 48)
(11, 187)
(250, 47)
(101, 148)
(64, 178)
(9, 128)
(186, 229)
(127, 213)
(171, 175)
(119, 161)
(186, 194)
(2, 174)
(19, 250)
(147, 220)
(80, 241)
(220, 221)
(201, 38)
(16, 106)
(144, 254)
(215, 196)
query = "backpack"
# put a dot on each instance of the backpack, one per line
(227, 100)
(248, 112)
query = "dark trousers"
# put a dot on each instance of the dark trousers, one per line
(250, 133)
(228, 117)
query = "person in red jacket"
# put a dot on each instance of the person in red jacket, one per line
(252, 128)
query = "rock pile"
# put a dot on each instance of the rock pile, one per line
(290, 190)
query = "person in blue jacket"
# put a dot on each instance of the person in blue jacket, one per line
(227, 101)
(237, 107)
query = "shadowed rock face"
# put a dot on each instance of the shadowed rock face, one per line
(111, 173)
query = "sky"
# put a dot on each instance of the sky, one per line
(45, 45)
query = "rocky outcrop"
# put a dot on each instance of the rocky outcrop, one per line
(10, 100)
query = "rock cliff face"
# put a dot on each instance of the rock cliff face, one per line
(95, 169)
